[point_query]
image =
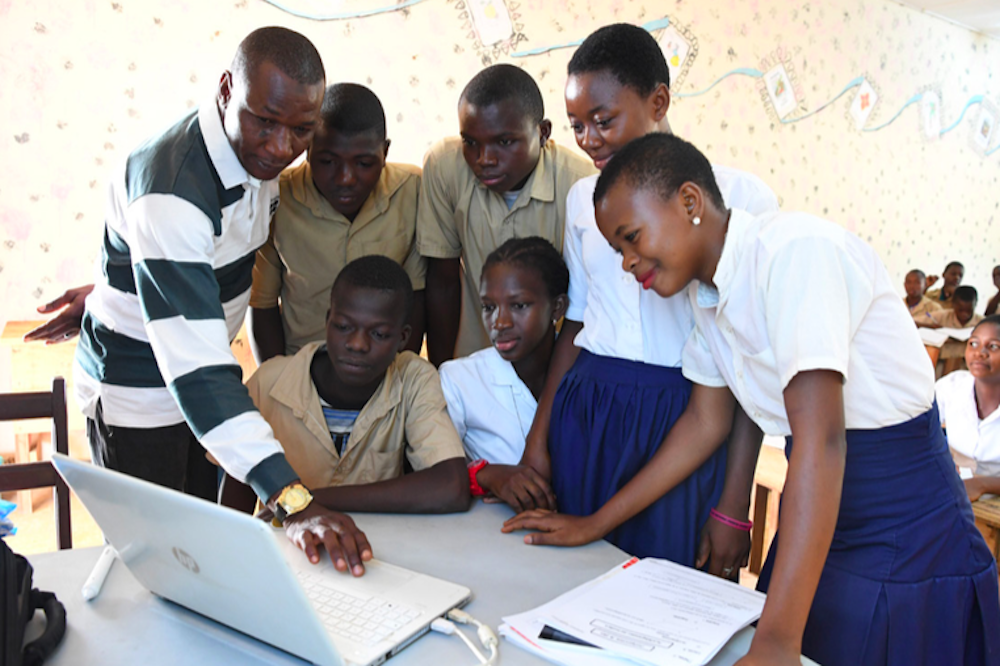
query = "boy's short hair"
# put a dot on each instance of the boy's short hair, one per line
(966, 294)
(629, 53)
(350, 108)
(536, 253)
(377, 272)
(500, 83)
(659, 163)
(952, 264)
(286, 49)
(923, 276)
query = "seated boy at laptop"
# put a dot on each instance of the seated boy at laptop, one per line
(345, 201)
(350, 410)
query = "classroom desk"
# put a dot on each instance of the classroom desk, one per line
(987, 512)
(127, 624)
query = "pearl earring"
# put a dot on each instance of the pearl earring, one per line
(696, 220)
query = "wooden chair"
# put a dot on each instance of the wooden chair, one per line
(24, 476)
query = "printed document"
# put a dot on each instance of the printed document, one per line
(658, 612)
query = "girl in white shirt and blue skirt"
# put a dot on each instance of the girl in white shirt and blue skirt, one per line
(877, 559)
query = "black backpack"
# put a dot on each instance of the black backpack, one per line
(18, 603)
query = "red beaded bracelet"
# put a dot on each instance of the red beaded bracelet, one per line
(475, 489)
(731, 522)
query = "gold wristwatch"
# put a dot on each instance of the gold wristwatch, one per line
(293, 499)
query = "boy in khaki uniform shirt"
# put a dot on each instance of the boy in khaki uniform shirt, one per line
(503, 178)
(349, 411)
(344, 202)
(919, 305)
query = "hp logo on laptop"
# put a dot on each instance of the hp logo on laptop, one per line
(186, 560)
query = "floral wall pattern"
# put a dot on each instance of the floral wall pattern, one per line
(866, 112)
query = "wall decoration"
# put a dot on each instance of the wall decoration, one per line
(349, 9)
(972, 101)
(680, 47)
(985, 127)
(651, 26)
(780, 91)
(492, 26)
(918, 202)
(863, 104)
(930, 114)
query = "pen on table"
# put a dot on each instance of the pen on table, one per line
(95, 581)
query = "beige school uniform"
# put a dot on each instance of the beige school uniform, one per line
(922, 310)
(310, 243)
(461, 217)
(952, 351)
(935, 295)
(406, 416)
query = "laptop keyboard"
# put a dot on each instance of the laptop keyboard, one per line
(365, 620)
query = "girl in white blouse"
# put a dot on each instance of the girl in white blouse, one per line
(970, 407)
(879, 559)
(492, 394)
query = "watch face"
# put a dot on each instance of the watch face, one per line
(294, 498)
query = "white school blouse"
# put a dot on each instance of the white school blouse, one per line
(491, 407)
(620, 318)
(971, 436)
(795, 293)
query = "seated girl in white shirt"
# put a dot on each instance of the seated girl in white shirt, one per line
(492, 394)
(877, 560)
(969, 401)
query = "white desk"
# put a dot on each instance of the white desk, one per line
(128, 625)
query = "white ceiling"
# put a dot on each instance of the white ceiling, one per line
(979, 15)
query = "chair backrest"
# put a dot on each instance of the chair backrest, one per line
(22, 476)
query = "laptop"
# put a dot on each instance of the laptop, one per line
(243, 573)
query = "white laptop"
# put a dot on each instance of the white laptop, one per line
(241, 572)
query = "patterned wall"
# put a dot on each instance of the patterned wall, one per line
(867, 112)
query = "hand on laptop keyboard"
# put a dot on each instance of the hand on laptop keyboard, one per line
(316, 525)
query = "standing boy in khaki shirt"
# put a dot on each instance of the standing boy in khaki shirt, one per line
(350, 411)
(342, 203)
(503, 178)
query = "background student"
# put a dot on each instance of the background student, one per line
(345, 201)
(919, 305)
(492, 394)
(351, 411)
(994, 302)
(615, 387)
(962, 314)
(952, 277)
(969, 401)
(876, 535)
(502, 178)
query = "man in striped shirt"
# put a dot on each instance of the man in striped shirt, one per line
(185, 215)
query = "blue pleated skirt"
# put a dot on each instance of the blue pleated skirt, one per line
(609, 417)
(909, 579)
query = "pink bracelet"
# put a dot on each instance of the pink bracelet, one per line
(731, 522)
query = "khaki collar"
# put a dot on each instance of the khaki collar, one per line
(303, 190)
(541, 183)
(295, 389)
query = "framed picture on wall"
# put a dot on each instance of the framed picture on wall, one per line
(863, 104)
(680, 47)
(779, 89)
(985, 127)
(930, 114)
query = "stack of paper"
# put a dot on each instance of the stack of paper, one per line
(936, 337)
(647, 611)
